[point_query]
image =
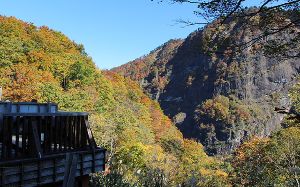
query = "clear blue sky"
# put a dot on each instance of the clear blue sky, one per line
(113, 32)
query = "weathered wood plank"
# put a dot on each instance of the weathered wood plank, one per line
(4, 133)
(17, 136)
(33, 148)
(70, 171)
(36, 135)
(46, 175)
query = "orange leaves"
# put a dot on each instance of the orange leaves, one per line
(146, 101)
(248, 158)
(217, 108)
(42, 64)
(227, 109)
(193, 151)
(40, 59)
(242, 114)
(25, 82)
(269, 161)
(157, 125)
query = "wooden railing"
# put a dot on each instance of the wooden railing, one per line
(24, 135)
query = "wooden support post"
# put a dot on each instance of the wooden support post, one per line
(66, 122)
(9, 137)
(78, 132)
(2, 176)
(4, 137)
(91, 140)
(17, 136)
(45, 130)
(60, 139)
(54, 169)
(0, 93)
(38, 172)
(21, 174)
(83, 133)
(24, 135)
(84, 181)
(70, 169)
(55, 134)
(36, 147)
(52, 123)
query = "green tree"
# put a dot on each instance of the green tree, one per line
(144, 147)
(269, 162)
(82, 73)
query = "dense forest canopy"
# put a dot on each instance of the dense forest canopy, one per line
(144, 146)
(217, 95)
(270, 34)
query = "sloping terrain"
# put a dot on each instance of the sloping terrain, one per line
(143, 145)
(213, 93)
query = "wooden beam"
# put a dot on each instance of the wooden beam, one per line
(84, 181)
(35, 139)
(70, 169)
(17, 136)
(91, 139)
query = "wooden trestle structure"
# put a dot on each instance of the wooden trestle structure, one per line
(41, 146)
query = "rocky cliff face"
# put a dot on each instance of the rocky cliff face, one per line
(215, 94)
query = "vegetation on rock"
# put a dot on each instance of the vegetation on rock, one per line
(224, 100)
(144, 147)
(224, 96)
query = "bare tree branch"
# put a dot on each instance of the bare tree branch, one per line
(190, 23)
(256, 39)
(238, 5)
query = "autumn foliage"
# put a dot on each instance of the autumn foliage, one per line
(144, 147)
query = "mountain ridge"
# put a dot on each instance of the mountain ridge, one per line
(217, 95)
(45, 65)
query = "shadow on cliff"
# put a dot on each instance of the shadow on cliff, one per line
(191, 82)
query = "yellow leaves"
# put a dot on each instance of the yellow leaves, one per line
(250, 147)
(210, 172)
(204, 171)
(25, 81)
(149, 142)
(217, 108)
(40, 58)
(169, 153)
(155, 156)
(294, 94)
(45, 65)
(193, 154)
(133, 155)
(103, 132)
(229, 110)
(268, 161)
(146, 101)
(221, 173)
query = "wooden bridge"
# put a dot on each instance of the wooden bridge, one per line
(41, 146)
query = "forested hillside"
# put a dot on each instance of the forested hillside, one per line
(144, 147)
(217, 94)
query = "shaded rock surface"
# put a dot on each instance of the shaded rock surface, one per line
(182, 74)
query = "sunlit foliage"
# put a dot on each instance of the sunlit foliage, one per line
(144, 147)
(269, 162)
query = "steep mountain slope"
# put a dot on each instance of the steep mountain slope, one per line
(213, 93)
(42, 64)
(146, 68)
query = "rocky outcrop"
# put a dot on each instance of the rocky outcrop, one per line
(189, 74)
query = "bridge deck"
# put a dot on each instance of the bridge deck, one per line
(49, 169)
(39, 145)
